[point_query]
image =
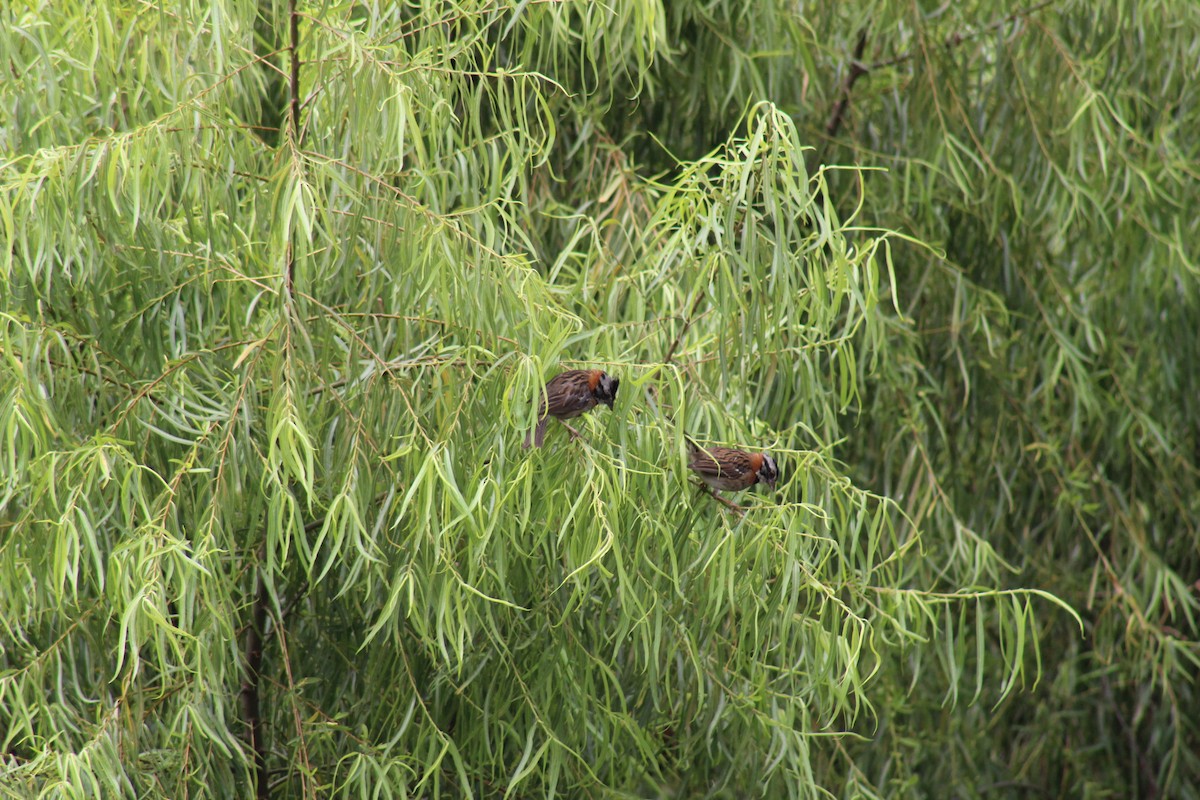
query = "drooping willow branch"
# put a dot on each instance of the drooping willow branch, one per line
(958, 37)
(687, 323)
(251, 696)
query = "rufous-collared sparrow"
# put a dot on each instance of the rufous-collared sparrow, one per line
(731, 470)
(570, 394)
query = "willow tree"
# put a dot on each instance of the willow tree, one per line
(283, 282)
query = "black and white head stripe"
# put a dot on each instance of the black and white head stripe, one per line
(606, 389)
(769, 471)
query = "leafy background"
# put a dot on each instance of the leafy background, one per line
(282, 282)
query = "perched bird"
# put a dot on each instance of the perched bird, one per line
(731, 470)
(572, 393)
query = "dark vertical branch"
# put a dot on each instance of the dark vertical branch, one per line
(1147, 784)
(294, 90)
(294, 21)
(251, 703)
(251, 682)
(857, 70)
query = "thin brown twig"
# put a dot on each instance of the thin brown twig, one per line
(957, 38)
(687, 323)
(430, 320)
(732, 506)
(857, 70)
(302, 745)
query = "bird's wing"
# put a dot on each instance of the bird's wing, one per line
(718, 463)
(567, 392)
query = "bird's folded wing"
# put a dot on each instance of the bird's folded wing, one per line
(705, 464)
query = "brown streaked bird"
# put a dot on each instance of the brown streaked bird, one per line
(731, 470)
(570, 394)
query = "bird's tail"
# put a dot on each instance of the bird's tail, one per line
(539, 433)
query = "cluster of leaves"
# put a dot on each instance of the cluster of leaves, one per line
(282, 283)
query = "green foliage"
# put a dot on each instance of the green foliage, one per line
(266, 524)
